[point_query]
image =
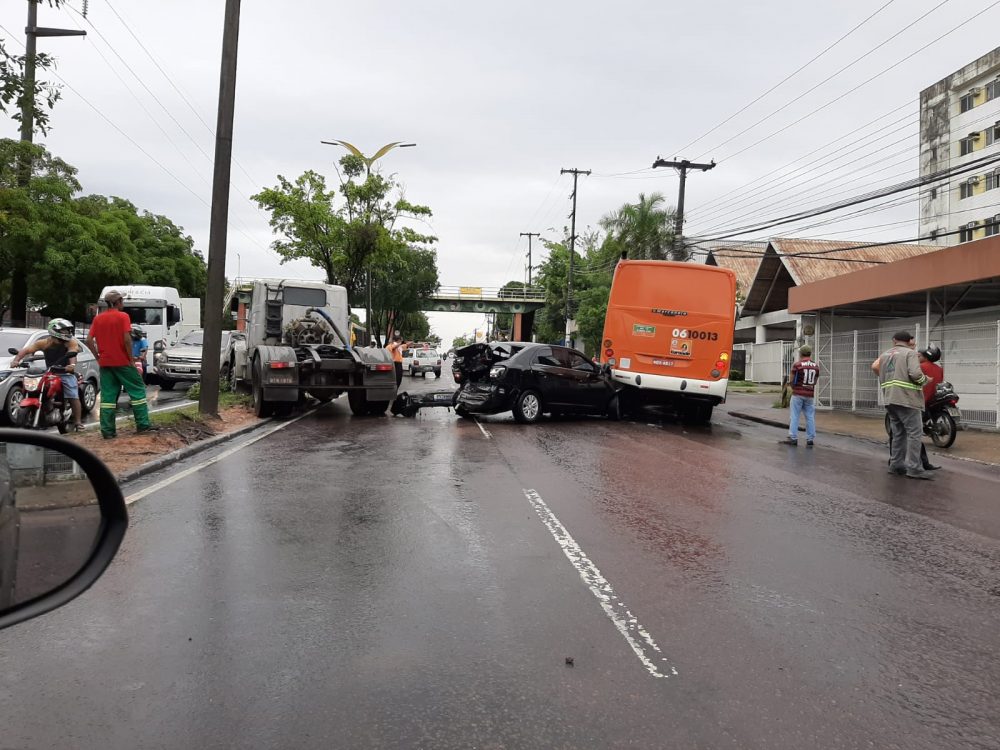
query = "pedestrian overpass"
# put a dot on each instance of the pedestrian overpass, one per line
(521, 303)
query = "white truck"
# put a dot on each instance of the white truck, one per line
(162, 313)
(298, 343)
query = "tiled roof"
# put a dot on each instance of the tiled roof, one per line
(805, 270)
(741, 260)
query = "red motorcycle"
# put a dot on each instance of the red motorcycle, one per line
(43, 404)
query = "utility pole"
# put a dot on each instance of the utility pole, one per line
(529, 235)
(208, 403)
(572, 248)
(19, 281)
(682, 166)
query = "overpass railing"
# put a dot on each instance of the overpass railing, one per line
(530, 294)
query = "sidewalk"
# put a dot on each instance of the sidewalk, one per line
(977, 445)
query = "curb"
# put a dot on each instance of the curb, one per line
(784, 425)
(189, 450)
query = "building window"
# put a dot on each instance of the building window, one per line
(967, 232)
(967, 102)
(933, 193)
(993, 226)
(993, 89)
(993, 180)
(968, 144)
(966, 189)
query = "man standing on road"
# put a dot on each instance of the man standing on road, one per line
(396, 349)
(803, 379)
(110, 340)
(901, 381)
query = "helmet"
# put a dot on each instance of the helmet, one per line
(932, 353)
(137, 333)
(60, 328)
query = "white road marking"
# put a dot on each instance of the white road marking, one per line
(486, 433)
(136, 496)
(635, 634)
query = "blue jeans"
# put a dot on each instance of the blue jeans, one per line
(800, 404)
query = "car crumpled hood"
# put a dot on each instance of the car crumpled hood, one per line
(475, 360)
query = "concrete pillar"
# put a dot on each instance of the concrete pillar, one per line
(761, 334)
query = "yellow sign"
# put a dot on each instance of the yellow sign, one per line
(477, 290)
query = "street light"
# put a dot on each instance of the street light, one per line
(369, 160)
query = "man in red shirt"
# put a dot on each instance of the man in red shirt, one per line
(803, 379)
(110, 340)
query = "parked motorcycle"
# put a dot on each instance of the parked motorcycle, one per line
(942, 417)
(43, 404)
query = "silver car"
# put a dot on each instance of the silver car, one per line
(11, 392)
(181, 363)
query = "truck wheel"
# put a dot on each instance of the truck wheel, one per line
(261, 407)
(377, 407)
(167, 385)
(358, 401)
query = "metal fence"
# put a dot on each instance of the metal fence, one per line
(769, 362)
(970, 358)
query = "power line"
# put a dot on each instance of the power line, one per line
(866, 81)
(784, 80)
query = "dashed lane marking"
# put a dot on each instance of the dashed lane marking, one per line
(146, 491)
(628, 625)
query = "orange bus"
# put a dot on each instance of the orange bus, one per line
(668, 334)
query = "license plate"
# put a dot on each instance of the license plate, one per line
(31, 384)
(442, 397)
(954, 411)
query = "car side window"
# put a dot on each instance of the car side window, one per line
(546, 357)
(580, 363)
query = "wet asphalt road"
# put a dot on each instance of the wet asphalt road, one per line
(355, 583)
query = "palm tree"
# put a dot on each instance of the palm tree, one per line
(644, 228)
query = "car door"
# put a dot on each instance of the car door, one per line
(545, 375)
(591, 390)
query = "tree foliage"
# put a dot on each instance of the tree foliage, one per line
(644, 228)
(12, 91)
(72, 247)
(353, 230)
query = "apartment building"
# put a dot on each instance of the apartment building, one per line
(960, 124)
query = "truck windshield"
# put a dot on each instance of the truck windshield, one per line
(297, 295)
(145, 316)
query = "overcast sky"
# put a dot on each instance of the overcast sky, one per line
(498, 98)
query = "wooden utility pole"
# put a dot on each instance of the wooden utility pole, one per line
(682, 166)
(19, 276)
(572, 250)
(208, 403)
(529, 235)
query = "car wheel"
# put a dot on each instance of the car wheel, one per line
(437, 373)
(224, 371)
(88, 396)
(528, 407)
(615, 408)
(11, 407)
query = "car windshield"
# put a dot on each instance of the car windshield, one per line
(192, 339)
(11, 339)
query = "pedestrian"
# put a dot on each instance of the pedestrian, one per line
(139, 348)
(396, 348)
(901, 382)
(803, 378)
(110, 339)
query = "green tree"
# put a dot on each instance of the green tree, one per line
(349, 232)
(644, 228)
(401, 285)
(414, 326)
(12, 93)
(459, 341)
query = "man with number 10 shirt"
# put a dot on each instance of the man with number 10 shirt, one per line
(804, 375)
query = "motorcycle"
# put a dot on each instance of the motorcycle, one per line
(43, 404)
(942, 417)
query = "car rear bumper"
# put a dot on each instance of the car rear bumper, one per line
(424, 368)
(684, 386)
(479, 399)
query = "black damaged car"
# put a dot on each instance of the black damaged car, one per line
(530, 380)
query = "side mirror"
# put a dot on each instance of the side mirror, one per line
(12, 350)
(173, 315)
(62, 519)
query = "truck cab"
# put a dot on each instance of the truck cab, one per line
(161, 312)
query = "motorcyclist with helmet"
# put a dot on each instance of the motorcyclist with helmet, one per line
(139, 348)
(60, 349)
